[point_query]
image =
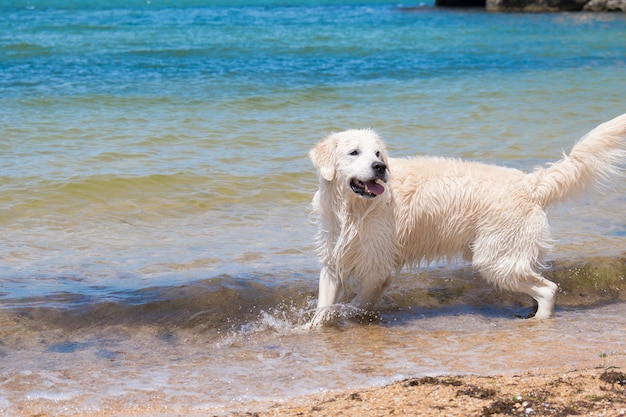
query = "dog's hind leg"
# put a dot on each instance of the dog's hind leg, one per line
(543, 291)
(510, 259)
(529, 282)
(516, 272)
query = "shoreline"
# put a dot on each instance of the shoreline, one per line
(594, 391)
(586, 391)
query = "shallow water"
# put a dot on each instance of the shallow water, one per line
(154, 194)
(167, 369)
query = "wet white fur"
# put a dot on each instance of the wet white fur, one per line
(440, 208)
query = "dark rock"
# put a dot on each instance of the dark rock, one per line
(461, 3)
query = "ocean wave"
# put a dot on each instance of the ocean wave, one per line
(161, 193)
(230, 303)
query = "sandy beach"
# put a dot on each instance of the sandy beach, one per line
(585, 392)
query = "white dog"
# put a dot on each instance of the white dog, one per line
(377, 214)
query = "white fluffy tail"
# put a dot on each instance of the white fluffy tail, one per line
(594, 160)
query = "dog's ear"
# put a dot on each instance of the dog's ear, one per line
(323, 157)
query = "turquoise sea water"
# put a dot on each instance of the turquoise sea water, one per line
(153, 169)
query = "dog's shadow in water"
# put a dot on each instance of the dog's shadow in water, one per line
(402, 307)
(401, 317)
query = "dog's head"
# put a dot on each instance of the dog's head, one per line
(356, 159)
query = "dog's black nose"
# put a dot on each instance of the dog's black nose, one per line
(379, 169)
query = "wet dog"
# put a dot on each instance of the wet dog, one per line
(378, 214)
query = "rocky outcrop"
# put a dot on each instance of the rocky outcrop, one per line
(605, 6)
(539, 5)
(535, 5)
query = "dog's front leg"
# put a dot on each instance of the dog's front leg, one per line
(330, 292)
(330, 289)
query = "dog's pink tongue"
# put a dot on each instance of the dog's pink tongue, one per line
(374, 188)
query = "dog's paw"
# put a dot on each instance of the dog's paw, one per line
(322, 318)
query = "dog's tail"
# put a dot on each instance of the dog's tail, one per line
(594, 160)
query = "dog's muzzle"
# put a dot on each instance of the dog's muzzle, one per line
(371, 188)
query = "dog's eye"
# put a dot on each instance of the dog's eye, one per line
(377, 154)
(354, 152)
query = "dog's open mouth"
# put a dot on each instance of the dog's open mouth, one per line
(368, 189)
